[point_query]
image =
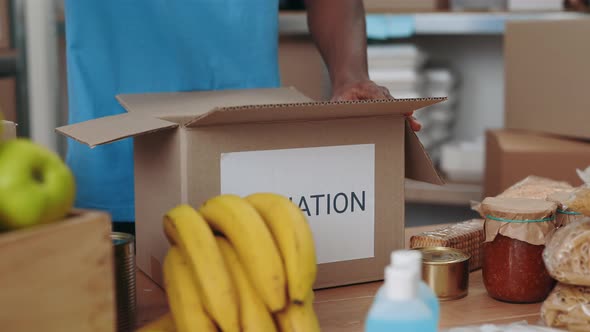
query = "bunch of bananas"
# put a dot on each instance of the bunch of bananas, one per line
(239, 264)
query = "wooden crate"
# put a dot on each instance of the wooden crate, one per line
(58, 277)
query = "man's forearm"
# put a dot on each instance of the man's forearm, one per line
(338, 29)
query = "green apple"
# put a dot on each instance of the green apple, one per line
(36, 186)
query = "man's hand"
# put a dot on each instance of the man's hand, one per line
(364, 90)
(338, 29)
(360, 90)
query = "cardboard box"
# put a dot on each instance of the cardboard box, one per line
(5, 33)
(8, 130)
(8, 98)
(58, 277)
(401, 5)
(513, 155)
(302, 67)
(546, 76)
(343, 163)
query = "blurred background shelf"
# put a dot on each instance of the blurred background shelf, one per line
(399, 24)
(455, 194)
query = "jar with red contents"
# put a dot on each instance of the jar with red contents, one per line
(516, 231)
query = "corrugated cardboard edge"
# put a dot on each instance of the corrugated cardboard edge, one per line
(310, 111)
(418, 164)
(183, 106)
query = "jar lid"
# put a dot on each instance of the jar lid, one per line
(524, 219)
(442, 255)
(517, 208)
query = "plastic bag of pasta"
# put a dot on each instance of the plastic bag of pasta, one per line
(579, 200)
(565, 215)
(567, 254)
(535, 187)
(568, 307)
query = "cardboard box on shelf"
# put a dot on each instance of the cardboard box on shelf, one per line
(342, 163)
(403, 5)
(513, 155)
(545, 76)
(302, 67)
(8, 130)
(8, 98)
(58, 277)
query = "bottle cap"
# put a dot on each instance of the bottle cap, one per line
(400, 283)
(409, 259)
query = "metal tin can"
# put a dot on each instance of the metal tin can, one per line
(446, 271)
(124, 252)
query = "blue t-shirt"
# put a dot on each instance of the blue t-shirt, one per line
(135, 46)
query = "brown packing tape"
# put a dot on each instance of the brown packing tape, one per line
(494, 210)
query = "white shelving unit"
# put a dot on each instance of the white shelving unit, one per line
(439, 23)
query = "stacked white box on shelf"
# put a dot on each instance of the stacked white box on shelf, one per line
(491, 5)
(439, 119)
(516, 5)
(463, 161)
(396, 67)
(400, 68)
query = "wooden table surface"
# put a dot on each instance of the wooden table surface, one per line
(344, 308)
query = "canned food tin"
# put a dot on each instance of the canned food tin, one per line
(446, 271)
(124, 252)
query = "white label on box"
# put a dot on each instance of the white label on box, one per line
(334, 186)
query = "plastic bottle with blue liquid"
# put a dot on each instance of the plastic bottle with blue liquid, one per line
(412, 259)
(398, 307)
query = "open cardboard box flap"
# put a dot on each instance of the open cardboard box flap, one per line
(153, 112)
